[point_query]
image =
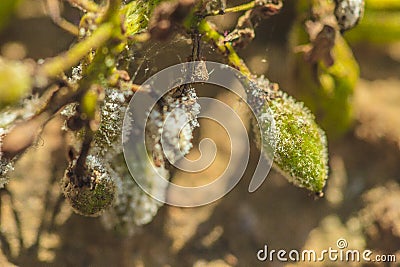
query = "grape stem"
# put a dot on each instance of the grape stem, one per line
(85, 5)
(53, 67)
(239, 8)
(244, 7)
(197, 22)
(210, 34)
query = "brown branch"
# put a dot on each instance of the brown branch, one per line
(53, 8)
(81, 161)
(85, 5)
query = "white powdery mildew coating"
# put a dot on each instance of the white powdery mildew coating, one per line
(176, 135)
(171, 126)
(76, 74)
(147, 176)
(174, 121)
(300, 145)
(260, 91)
(108, 140)
(68, 112)
(26, 110)
(349, 12)
(6, 166)
(94, 163)
(301, 151)
(132, 207)
(6, 119)
(94, 192)
(30, 107)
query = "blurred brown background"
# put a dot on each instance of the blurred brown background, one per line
(361, 204)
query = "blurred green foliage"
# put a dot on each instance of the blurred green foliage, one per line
(327, 91)
(15, 82)
(377, 26)
(7, 8)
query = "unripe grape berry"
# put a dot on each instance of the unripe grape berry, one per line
(300, 145)
(92, 193)
(107, 139)
(171, 124)
(15, 81)
(133, 207)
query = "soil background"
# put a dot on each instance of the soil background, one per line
(361, 203)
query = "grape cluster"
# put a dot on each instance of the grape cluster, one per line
(125, 205)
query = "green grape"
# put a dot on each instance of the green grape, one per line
(15, 82)
(300, 144)
(132, 207)
(95, 194)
